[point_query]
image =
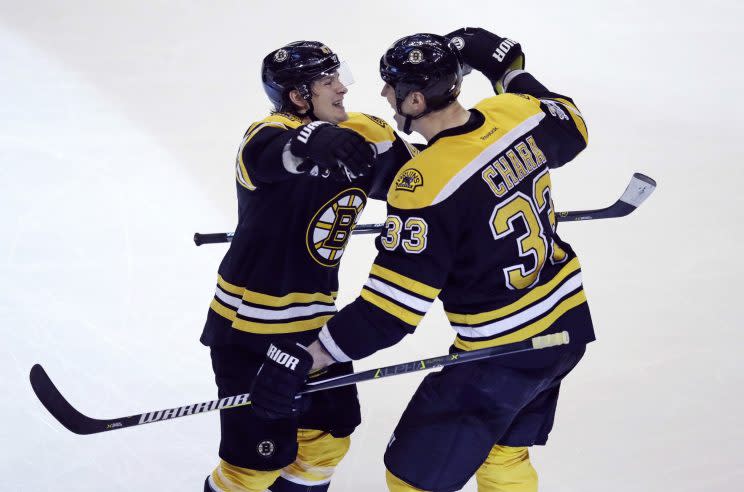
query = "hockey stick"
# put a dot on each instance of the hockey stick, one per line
(78, 423)
(226, 237)
(637, 191)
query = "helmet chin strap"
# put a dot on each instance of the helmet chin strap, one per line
(409, 118)
(310, 113)
(306, 94)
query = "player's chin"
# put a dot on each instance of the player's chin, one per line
(399, 121)
(340, 114)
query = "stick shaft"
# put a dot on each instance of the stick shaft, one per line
(79, 423)
(639, 188)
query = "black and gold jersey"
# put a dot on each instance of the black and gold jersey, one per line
(280, 273)
(471, 221)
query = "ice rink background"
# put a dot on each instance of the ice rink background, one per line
(118, 127)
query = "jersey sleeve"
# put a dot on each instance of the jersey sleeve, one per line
(260, 156)
(415, 254)
(392, 151)
(562, 115)
(388, 164)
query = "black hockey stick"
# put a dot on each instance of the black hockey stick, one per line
(78, 423)
(639, 188)
(226, 237)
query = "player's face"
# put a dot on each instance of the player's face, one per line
(328, 99)
(388, 92)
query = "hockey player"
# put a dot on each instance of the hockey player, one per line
(303, 177)
(471, 221)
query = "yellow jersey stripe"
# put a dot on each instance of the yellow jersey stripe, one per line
(224, 311)
(407, 283)
(391, 308)
(252, 132)
(243, 178)
(371, 128)
(530, 298)
(413, 151)
(280, 328)
(228, 287)
(291, 298)
(275, 301)
(528, 331)
(268, 328)
(576, 117)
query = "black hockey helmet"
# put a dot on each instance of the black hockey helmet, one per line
(294, 66)
(425, 63)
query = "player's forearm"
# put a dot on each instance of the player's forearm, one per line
(321, 357)
(359, 330)
(521, 82)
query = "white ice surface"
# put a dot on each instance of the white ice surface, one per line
(118, 127)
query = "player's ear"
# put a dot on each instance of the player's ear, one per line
(298, 100)
(417, 101)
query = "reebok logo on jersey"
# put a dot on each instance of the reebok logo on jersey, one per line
(307, 130)
(503, 49)
(282, 358)
(409, 180)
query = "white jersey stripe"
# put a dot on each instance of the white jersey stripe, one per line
(398, 295)
(287, 313)
(226, 298)
(330, 345)
(488, 154)
(272, 314)
(532, 313)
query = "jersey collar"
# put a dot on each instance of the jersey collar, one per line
(475, 121)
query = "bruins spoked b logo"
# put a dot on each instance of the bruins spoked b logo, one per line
(266, 448)
(331, 227)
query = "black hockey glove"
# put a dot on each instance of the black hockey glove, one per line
(279, 379)
(336, 151)
(486, 52)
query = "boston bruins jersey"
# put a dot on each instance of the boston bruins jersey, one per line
(471, 221)
(280, 274)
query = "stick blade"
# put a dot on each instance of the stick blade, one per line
(55, 403)
(638, 190)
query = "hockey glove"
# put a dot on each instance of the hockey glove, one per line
(279, 379)
(335, 151)
(486, 52)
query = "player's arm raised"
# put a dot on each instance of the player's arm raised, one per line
(502, 61)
